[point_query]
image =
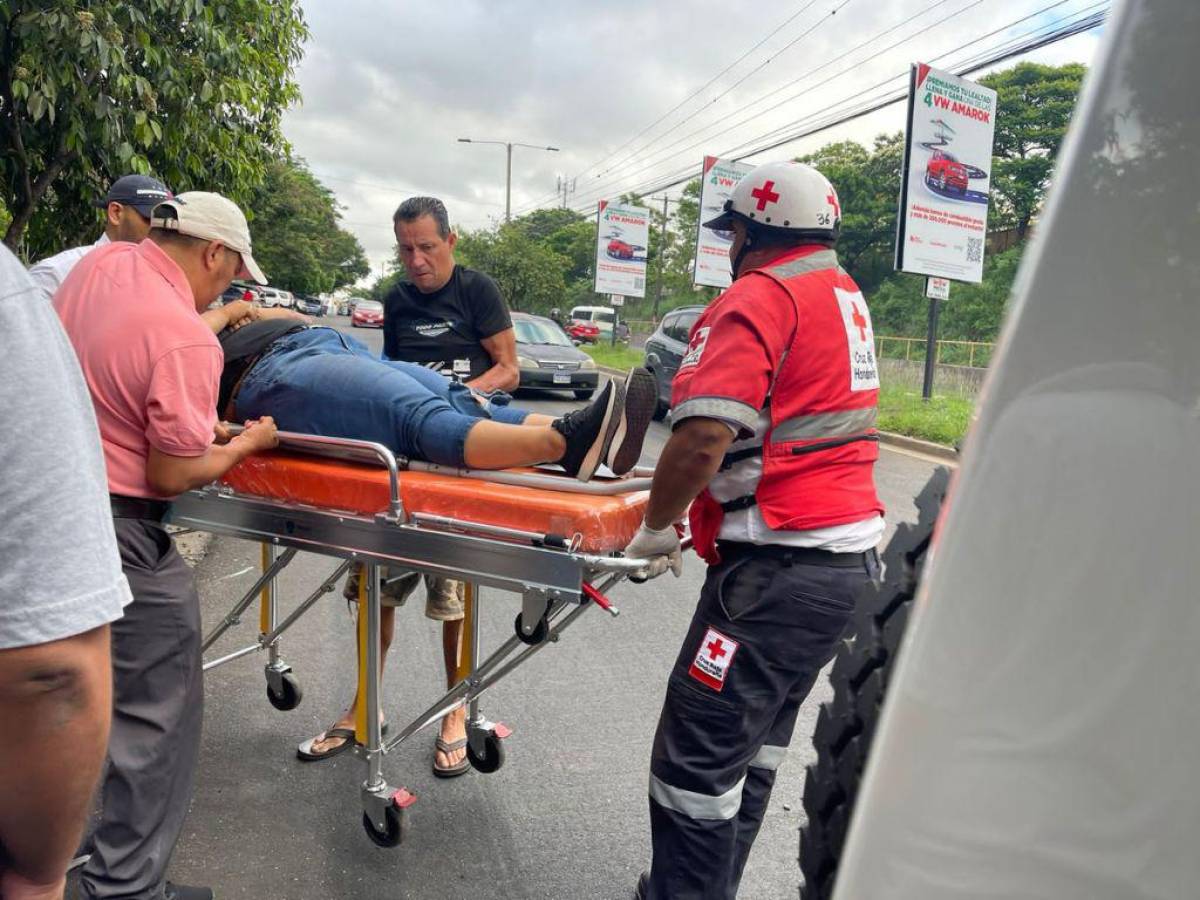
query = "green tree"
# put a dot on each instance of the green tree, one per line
(867, 181)
(528, 272)
(188, 89)
(1034, 107)
(973, 312)
(297, 239)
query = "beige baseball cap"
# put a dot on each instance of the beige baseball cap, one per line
(212, 217)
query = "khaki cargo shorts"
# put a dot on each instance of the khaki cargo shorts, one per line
(443, 597)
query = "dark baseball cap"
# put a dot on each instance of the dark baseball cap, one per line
(141, 192)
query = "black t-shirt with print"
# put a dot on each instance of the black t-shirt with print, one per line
(443, 330)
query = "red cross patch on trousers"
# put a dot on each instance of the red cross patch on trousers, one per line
(713, 659)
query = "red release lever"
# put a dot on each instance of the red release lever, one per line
(599, 599)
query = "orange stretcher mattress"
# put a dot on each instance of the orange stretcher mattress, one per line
(604, 522)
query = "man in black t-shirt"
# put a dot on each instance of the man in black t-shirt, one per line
(446, 316)
(451, 319)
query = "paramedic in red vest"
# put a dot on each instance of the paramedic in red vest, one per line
(774, 440)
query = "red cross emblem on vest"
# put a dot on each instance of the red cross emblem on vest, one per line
(765, 194)
(716, 649)
(859, 322)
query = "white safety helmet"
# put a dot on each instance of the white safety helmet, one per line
(786, 197)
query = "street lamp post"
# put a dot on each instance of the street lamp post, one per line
(508, 147)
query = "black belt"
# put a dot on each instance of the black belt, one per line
(796, 556)
(138, 508)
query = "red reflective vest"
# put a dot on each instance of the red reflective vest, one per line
(820, 451)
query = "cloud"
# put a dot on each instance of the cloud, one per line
(389, 88)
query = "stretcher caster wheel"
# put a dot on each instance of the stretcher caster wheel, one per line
(538, 635)
(290, 694)
(392, 834)
(492, 757)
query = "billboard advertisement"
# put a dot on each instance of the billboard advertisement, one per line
(719, 178)
(622, 236)
(942, 221)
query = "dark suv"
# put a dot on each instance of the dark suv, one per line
(666, 347)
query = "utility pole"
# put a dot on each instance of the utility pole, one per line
(508, 148)
(566, 187)
(662, 254)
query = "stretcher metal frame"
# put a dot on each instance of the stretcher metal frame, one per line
(556, 582)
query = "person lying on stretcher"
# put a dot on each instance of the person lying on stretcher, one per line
(316, 380)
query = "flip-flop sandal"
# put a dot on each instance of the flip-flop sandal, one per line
(449, 747)
(305, 750)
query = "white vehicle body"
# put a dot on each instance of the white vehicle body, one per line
(1040, 735)
(271, 296)
(603, 316)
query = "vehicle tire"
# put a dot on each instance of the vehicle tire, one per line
(861, 671)
(585, 394)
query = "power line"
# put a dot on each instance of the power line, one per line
(847, 99)
(750, 118)
(1014, 41)
(702, 88)
(758, 100)
(740, 81)
(993, 57)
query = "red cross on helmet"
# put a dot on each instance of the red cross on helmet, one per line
(789, 197)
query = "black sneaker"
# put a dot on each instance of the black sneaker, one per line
(641, 397)
(589, 432)
(185, 892)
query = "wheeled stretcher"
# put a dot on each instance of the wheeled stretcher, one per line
(547, 538)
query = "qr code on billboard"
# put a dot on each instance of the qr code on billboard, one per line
(974, 249)
(639, 284)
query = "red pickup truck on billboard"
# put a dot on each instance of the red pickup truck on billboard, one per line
(946, 172)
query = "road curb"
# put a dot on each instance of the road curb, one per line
(929, 448)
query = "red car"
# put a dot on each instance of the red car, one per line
(588, 332)
(945, 171)
(367, 314)
(619, 249)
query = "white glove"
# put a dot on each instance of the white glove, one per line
(661, 548)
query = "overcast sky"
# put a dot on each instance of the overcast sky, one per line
(389, 87)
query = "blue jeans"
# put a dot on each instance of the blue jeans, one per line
(319, 381)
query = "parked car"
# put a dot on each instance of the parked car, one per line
(232, 293)
(584, 332)
(947, 172)
(602, 316)
(548, 358)
(310, 306)
(665, 349)
(367, 314)
(272, 296)
(238, 290)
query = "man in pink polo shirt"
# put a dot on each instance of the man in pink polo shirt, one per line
(153, 366)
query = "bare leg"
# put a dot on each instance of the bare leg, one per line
(491, 445)
(387, 628)
(454, 723)
(537, 419)
(58, 699)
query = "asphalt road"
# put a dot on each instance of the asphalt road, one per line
(564, 818)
